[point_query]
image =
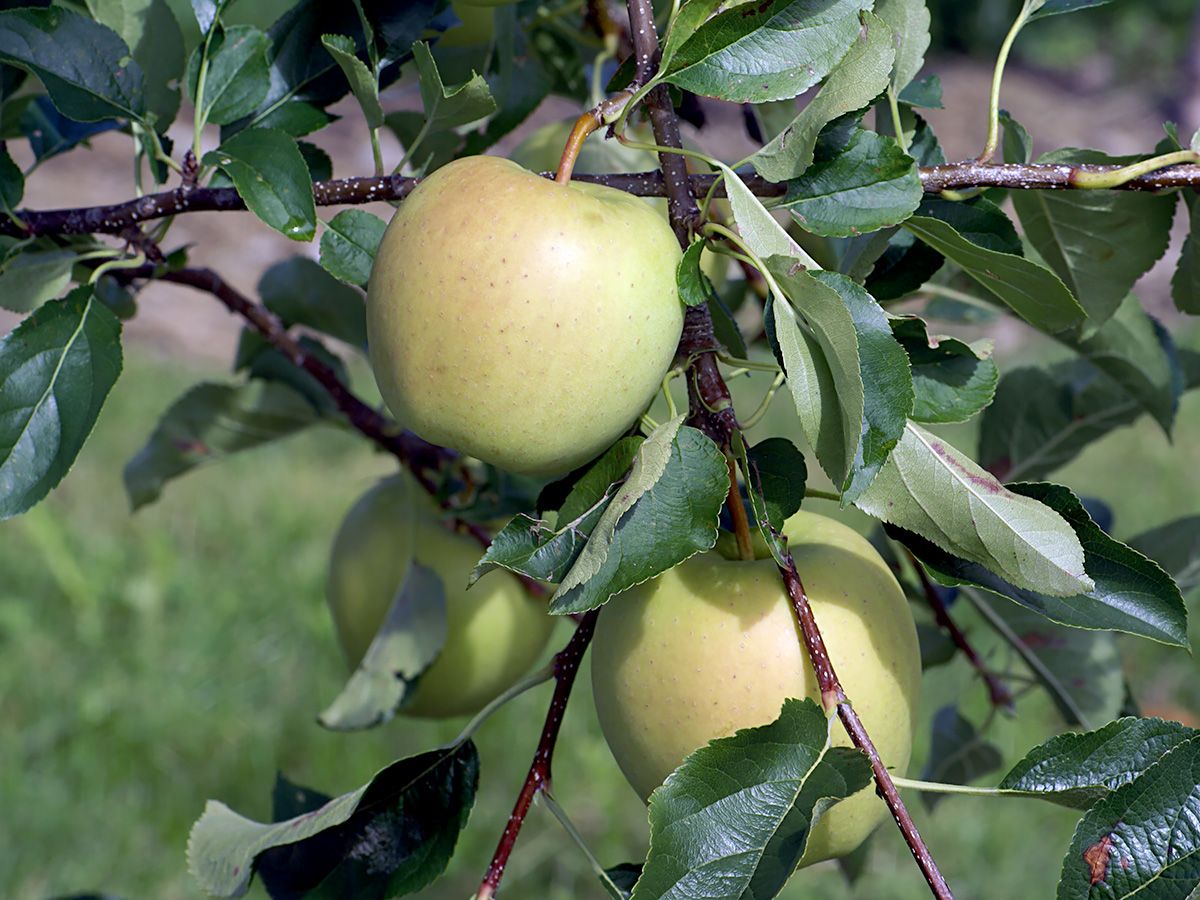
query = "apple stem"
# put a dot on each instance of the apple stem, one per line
(1001, 697)
(584, 125)
(566, 667)
(737, 511)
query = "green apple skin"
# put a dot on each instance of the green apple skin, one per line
(711, 647)
(476, 28)
(520, 321)
(494, 633)
(542, 150)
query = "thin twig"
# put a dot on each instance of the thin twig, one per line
(998, 691)
(114, 218)
(566, 667)
(832, 696)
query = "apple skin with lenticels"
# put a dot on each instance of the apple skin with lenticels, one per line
(520, 321)
(711, 646)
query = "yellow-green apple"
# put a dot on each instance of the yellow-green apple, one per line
(494, 633)
(542, 149)
(711, 646)
(520, 321)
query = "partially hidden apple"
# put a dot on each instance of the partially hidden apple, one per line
(711, 647)
(475, 26)
(494, 633)
(521, 321)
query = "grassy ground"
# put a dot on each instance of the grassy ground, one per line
(149, 662)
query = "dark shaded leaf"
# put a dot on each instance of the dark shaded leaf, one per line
(390, 837)
(300, 292)
(56, 369)
(958, 753)
(86, 67)
(208, 423)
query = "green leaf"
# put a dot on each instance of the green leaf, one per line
(690, 17)
(1144, 838)
(12, 181)
(300, 292)
(1131, 593)
(734, 819)
(410, 638)
(271, 176)
(860, 182)
(1135, 350)
(297, 118)
(958, 753)
(1176, 547)
(886, 380)
(29, 277)
(1041, 419)
(759, 229)
(547, 550)
(902, 266)
(933, 489)
(460, 105)
(766, 51)
(1032, 291)
(909, 21)
(56, 369)
(926, 93)
(152, 32)
(694, 287)
(1080, 769)
(779, 473)
(952, 380)
(363, 82)
(349, 243)
(86, 67)
(208, 423)
(391, 837)
(818, 346)
(678, 476)
(856, 80)
(51, 133)
(261, 360)
(1100, 265)
(297, 72)
(1043, 8)
(237, 79)
(1185, 286)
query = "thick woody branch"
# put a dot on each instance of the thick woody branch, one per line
(117, 217)
(566, 667)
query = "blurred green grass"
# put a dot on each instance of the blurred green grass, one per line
(151, 661)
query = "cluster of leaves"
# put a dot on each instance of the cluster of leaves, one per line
(868, 386)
